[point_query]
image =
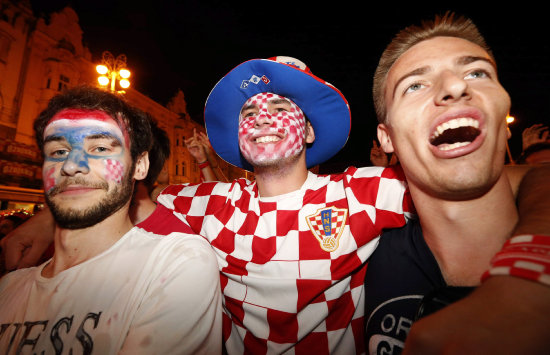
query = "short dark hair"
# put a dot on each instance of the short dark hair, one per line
(136, 122)
(160, 151)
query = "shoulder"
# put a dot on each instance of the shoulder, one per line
(204, 193)
(16, 279)
(179, 246)
(394, 172)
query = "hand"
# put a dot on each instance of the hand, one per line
(505, 315)
(195, 147)
(377, 156)
(203, 140)
(537, 133)
(25, 245)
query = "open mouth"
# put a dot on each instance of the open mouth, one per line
(455, 133)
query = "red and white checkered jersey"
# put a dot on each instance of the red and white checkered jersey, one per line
(292, 266)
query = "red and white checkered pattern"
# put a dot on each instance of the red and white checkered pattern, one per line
(282, 291)
(525, 256)
(113, 170)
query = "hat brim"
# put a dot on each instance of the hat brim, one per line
(324, 106)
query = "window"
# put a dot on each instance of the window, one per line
(63, 83)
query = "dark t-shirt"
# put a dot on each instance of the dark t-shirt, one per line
(400, 273)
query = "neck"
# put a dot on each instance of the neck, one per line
(465, 235)
(74, 246)
(281, 179)
(142, 206)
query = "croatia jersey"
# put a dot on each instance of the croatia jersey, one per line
(292, 266)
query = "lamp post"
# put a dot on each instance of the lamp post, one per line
(112, 70)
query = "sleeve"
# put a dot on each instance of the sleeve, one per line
(382, 193)
(525, 256)
(197, 204)
(181, 311)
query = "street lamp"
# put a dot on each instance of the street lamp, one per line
(112, 69)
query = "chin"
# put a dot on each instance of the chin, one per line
(72, 218)
(464, 188)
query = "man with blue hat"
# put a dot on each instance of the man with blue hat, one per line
(292, 263)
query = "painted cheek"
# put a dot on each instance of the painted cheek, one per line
(113, 170)
(48, 178)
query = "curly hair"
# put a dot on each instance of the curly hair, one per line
(442, 26)
(136, 122)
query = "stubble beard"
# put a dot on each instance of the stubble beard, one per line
(276, 165)
(70, 218)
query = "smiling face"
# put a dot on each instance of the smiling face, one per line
(446, 117)
(87, 167)
(271, 130)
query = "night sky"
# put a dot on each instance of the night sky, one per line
(190, 45)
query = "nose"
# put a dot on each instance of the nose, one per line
(263, 118)
(452, 88)
(76, 162)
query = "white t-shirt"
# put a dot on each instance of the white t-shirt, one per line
(147, 294)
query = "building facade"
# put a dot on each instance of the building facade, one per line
(39, 59)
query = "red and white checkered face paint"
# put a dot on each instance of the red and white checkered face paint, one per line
(114, 170)
(271, 128)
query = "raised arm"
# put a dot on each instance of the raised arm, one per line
(211, 157)
(196, 149)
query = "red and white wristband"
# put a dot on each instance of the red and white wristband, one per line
(526, 256)
(204, 164)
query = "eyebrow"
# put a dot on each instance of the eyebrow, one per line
(279, 101)
(417, 71)
(248, 107)
(463, 60)
(54, 138)
(114, 140)
(467, 59)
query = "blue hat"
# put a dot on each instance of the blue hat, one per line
(324, 106)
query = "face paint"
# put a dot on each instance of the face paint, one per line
(49, 179)
(77, 138)
(114, 170)
(87, 167)
(271, 128)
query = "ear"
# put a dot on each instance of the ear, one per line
(142, 166)
(310, 133)
(384, 138)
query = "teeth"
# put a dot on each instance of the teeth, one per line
(267, 139)
(455, 123)
(452, 146)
